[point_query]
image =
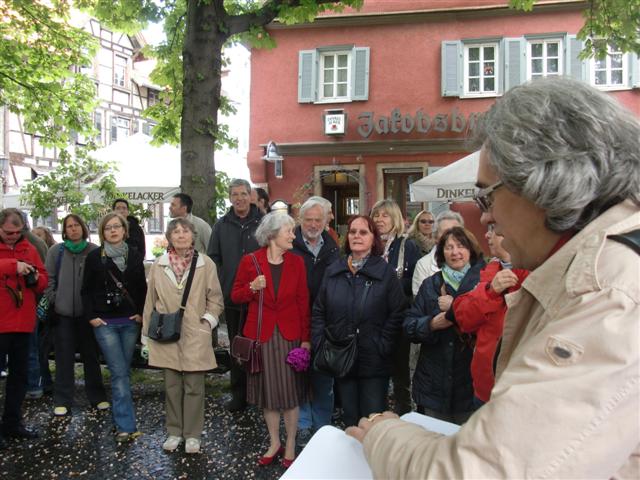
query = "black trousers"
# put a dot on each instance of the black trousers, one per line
(401, 377)
(16, 346)
(238, 378)
(361, 397)
(72, 333)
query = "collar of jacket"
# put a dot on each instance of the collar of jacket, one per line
(231, 217)
(373, 269)
(19, 246)
(298, 242)
(163, 262)
(572, 269)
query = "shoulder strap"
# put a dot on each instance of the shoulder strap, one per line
(192, 272)
(260, 298)
(400, 266)
(630, 239)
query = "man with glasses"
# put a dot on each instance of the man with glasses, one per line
(559, 178)
(22, 278)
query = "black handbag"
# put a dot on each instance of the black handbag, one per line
(166, 327)
(337, 357)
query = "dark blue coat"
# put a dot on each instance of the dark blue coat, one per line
(411, 257)
(337, 304)
(442, 380)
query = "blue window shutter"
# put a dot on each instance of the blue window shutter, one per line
(576, 68)
(451, 75)
(514, 62)
(634, 70)
(307, 76)
(360, 74)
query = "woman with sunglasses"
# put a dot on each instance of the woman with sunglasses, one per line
(442, 386)
(421, 231)
(113, 294)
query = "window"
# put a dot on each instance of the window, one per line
(119, 128)
(152, 97)
(481, 69)
(147, 127)
(333, 74)
(97, 124)
(544, 58)
(396, 187)
(119, 71)
(610, 71)
(155, 221)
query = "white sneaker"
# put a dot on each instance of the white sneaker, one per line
(192, 445)
(171, 443)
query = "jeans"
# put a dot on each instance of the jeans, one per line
(117, 343)
(317, 413)
(16, 346)
(34, 380)
(361, 397)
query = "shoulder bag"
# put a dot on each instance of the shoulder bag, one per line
(246, 351)
(166, 327)
(337, 357)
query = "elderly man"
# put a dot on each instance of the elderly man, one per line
(180, 207)
(231, 238)
(559, 178)
(23, 277)
(318, 249)
(427, 265)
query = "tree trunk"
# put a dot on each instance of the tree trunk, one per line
(202, 63)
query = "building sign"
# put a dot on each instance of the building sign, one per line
(420, 122)
(335, 123)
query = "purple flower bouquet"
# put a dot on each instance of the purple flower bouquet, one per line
(299, 359)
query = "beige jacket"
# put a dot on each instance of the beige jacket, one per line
(566, 403)
(194, 351)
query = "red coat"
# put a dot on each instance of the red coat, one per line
(290, 310)
(13, 318)
(481, 311)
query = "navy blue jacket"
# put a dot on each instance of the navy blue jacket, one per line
(337, 305)
(442, 380)
(411, 257)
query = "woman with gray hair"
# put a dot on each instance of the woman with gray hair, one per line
(280, 278)
(185, 361)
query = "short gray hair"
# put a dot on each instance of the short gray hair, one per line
(179, 222)
(270, 225)
(447, 215)
(568, 148)
(316, 201)
(239, 182)
(12, 215)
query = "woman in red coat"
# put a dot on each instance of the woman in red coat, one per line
(481, 311)
(285, 325)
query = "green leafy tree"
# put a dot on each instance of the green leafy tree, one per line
(615, 22)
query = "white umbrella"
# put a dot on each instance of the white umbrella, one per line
(453, 183)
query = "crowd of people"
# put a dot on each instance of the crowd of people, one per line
(293, 285)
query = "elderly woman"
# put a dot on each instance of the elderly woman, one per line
(421, 232)
(442, 386)
(402, 254)
(185, 361)
(282, 278)
(113, 292)
(65, 264)
(361, 294)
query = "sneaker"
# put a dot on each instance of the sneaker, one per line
(3, 374)
(192, 445)
(171, 443)
(34, 394)
(303, 437)
(60, 411)
(103, 406)
(127, 436)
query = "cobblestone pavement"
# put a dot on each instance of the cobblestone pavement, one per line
(83, 445)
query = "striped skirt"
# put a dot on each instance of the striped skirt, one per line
(277, 386)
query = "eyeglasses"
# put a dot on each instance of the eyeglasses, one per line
(482, 198)
(429, 222)
(362, 233)
(14, 232)
(108, 228)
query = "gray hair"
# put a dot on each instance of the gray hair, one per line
(239, 182)
(570, 149)
(270, 225)
(179, 222)
(447, 215)
(316, 201)
(12, 215)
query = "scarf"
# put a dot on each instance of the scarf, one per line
(355, 265)
(178, 263)
(425, 243)
(388, 238)
(117, 253)
(75, 247)
(454, 277)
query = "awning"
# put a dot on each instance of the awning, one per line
(453, 183)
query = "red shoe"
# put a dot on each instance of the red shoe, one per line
(269, 460)
(286, 463)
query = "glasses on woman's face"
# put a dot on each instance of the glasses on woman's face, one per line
(108, 228)
(426, 221)
(483, 197)
(11, 232)
(363, 233)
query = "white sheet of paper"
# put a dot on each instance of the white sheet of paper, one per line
(332, 454)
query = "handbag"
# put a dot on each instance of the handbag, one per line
(337, 357)
(166, 327)
(246, 351)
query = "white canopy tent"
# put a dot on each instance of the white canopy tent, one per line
(453, 183)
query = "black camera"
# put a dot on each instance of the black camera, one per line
(114, 299)
(30, 278)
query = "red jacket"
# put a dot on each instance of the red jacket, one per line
(290, 310)
(19, 318)
(481, 311)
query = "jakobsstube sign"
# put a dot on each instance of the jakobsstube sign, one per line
(420, 122)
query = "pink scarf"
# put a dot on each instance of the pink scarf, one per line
(178, 263)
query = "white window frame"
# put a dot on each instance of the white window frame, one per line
(545, 42)
(608, 85)
(496, 70)
(321, 83)
(120, 69)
